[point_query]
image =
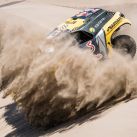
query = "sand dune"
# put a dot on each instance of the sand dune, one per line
(118, 121)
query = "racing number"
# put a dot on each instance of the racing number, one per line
(91, 46)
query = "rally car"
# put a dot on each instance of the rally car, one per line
(95, 29)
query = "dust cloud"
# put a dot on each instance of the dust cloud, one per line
(54, 81)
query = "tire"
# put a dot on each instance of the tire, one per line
(125, 45)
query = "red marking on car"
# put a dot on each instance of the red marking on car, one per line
(91, 46)
(95, 10)
(85, 13)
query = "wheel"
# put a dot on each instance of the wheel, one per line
(125, 45)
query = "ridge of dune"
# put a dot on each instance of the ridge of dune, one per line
(86, 3)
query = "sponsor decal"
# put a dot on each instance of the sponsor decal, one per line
(91, 46)
(113, 24)
(92, 30)
(92, 10)
(71, 22)
(84, 13)
(63, 27)
(100, 22)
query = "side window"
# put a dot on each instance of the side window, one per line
(82, 37)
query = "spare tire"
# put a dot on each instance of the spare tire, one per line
(125, 45)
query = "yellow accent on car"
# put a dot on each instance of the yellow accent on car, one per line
(72, 24)
(92, 30)
(116, 22)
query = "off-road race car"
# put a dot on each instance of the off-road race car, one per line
(95, 29)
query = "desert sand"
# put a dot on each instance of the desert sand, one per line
(118, 121)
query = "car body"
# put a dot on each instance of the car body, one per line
(94, 28)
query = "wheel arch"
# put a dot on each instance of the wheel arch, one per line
(112, 27)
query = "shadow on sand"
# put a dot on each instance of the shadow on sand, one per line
(21, 128)
(11, 3)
